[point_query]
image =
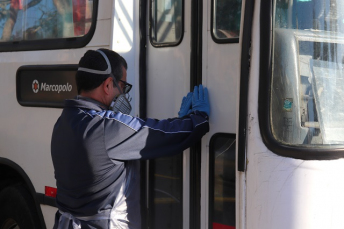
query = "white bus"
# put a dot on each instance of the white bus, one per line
(274, 69)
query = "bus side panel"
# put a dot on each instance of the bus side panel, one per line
(283, 192)
(26, 131)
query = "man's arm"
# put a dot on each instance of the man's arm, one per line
(159, 138)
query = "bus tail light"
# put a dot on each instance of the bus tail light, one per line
(50, 191)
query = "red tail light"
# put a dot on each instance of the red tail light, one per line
(50, 191)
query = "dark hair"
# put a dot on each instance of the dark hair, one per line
(86, 81)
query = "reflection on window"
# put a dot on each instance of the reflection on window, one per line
(44, 19)
(324, 15)
(222, 181)
(166, 21)
(226, 18)
(307, 105)
(166, 184)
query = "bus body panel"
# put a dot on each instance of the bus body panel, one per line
(283, 192)
(26, 131)
(125, 40)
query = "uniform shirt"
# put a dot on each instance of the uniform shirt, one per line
(95, 154)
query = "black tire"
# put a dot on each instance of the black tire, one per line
(17, 209)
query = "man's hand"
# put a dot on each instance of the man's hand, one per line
(185, 107)
(200, 99)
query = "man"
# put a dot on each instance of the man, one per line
(96, 145)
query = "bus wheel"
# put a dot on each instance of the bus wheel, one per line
(17, 209)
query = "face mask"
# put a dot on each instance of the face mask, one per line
(121, 103)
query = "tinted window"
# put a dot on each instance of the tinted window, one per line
(222, 181)
(166, 185)
(226, 20)
(32, 20)
(166, 22)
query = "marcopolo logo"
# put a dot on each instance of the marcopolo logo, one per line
(35, 86)
(51, 87)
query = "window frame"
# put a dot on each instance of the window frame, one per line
(215, 39)
(304, 152)
(54, 43)
(166, 44)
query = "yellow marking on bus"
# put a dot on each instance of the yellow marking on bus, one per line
(167, 177)
(225, 199)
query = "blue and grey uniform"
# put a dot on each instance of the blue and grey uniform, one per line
(95, 154)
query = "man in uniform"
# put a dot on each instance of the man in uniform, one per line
(96, 145)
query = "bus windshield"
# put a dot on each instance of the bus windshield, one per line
(307, 93)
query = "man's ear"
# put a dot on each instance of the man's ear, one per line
(107, 84)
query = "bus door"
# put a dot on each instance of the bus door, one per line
(192, 43)
(168, 80)
(220, 73)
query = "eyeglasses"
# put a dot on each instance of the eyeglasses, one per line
(127, 86)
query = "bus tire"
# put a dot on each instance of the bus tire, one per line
(17, 209)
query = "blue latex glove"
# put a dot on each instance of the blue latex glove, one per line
(200, 99)
(185, 107)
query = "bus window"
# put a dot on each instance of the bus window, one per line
(30, 20)
(226, 20)
(222, 181)
(166, 202)
(166, 22)
(307, 92)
